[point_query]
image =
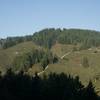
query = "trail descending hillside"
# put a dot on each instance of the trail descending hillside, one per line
(65, 55)
(43, 70)
(48, 66)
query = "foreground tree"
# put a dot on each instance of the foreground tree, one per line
(54, 87)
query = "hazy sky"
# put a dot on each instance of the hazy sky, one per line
(22, 17)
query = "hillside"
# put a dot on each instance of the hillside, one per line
(72, 63)
(7, 55)
(72, 51)
(85, 38)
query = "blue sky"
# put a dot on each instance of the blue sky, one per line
(23, 17)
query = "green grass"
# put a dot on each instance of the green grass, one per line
(36, 68)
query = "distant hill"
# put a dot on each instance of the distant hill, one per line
(48, 37)
(78, 39)
(86, 38)
(11, 41)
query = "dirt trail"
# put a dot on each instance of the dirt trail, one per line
(43, 70)
(48, 66)
(65, 55)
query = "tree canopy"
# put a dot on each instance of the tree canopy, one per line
(48, 37)
(86, 38)
(26, 60)
(54, 87)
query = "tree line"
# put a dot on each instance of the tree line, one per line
(48, 37)
(54, 87)
(86, 38)
(11, 41)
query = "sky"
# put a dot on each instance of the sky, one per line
(24, 17)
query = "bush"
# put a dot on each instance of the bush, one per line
(85, 62)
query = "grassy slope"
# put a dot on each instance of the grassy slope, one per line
(34, 69)
(60, 49)
(72, 63)
(7, 55)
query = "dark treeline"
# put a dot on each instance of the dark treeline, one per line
(11, 41)
(54, 87)
(85, 38)
(25, 61)
(48, 37)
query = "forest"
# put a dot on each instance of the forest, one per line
(48, 37)
(11, 41)
(86, 38)
(54, 87)
(25, 61)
